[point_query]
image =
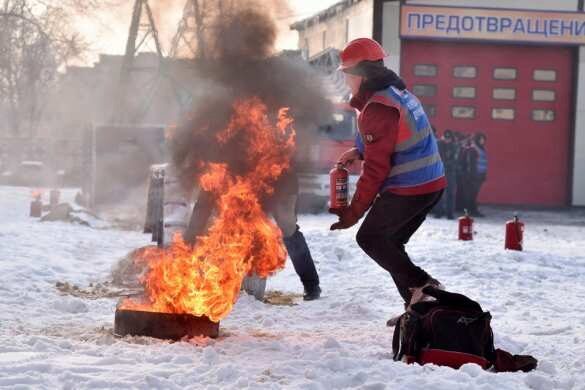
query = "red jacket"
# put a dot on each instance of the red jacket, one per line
(380, 123)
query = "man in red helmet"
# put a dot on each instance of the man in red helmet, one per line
(403, 175)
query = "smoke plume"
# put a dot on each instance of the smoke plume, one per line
(240, 62)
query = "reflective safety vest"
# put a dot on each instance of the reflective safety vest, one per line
(416, 160)
(482, 161)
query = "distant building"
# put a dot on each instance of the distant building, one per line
(513, 69)
(85, 97)
(335, 26)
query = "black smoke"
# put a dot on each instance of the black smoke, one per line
(240, 62)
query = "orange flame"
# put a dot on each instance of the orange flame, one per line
(205, 280)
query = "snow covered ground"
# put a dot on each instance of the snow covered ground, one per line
(49, 340)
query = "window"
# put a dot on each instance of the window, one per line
(340, 126)
(425, 70)
(460, 112)
(505, 74)
(503, 113)
(545, 75)
(465, 72)
(430, 110)
(543, 95)
(543, 115)
(464, 92)
(504, 93)
(424, 90)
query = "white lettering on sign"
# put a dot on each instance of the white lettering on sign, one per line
(415, 107)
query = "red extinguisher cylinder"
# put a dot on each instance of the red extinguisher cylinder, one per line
(36, 208)
(466, 228)
(514, 234)
(339, 187)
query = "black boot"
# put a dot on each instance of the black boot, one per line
(302, 260)
(312, 294)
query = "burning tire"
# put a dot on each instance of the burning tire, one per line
(166, 326)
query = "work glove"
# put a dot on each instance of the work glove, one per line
(349, 156)
(347, 218)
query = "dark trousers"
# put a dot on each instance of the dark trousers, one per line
(300, 256)
(446, 205)
(460, 191)
(283, 208)
(388, 226)
(475, 184)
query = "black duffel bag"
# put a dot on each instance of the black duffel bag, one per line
(452, 330)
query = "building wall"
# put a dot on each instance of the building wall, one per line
(578, 187)
(391, 34)
(579, 156)
(391, 18)
(353, 22)
(361, 20)
(85, 97)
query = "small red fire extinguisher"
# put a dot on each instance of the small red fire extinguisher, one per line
(466, 227)
(514, 234)
(36, 205)
(339, 187)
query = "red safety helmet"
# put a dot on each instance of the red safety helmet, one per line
(361, 49)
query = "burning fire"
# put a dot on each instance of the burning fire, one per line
(205, 280)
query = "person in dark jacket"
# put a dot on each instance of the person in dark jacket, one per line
(439, 209)
(402, 177)
(449, 154)
(461, 177)
(477, 163)
(283, 207)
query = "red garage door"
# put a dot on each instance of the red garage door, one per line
(519, 96)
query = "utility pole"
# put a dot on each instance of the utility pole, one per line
(142, 31)
(189, 41)
(183, 42)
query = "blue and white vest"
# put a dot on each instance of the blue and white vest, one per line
(416, 160)
(482, 161)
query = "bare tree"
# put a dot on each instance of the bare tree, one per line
(36, 40)
(81, 6)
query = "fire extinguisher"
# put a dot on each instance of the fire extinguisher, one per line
(514, 234)
(339, 181)
(36, 206)
(466, 227)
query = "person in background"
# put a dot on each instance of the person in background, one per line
(437, 211)
(282, 205)
(402, 177)
(462, 172)
(449, 150)
(477, 167)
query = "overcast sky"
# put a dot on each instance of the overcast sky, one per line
(107, 33)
